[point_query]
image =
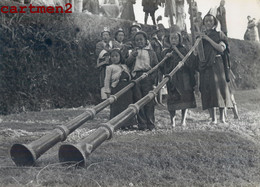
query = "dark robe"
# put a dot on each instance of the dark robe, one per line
(213, 85)
(128, 10)
(221, 16)
(180, 87)
(149, 6)
(122, 102)
(91, 5)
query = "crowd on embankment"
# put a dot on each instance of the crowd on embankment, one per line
(39, 57)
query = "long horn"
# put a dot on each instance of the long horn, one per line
(78, 153)
(27, 154)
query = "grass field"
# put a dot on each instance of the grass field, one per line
(200, 154)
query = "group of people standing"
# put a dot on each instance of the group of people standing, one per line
(124, 9)
(111, 8)
(122, 59)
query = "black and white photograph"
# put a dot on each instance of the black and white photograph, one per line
(130, 93)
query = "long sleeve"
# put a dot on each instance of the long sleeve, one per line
(99, 48)
(130, 61)
(153, 58)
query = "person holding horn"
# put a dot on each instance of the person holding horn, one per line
(213, 84)
(142, 59)
(181, 87)
(116, 78)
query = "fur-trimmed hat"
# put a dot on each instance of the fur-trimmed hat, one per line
(106, 29)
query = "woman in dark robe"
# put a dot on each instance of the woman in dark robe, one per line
(213, 85)
(128, 10)
(149, 7)
(180, 87)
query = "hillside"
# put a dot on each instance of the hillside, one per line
(48, 60)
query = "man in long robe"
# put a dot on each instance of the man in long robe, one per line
(221, 16)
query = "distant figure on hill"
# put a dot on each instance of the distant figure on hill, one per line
(110, 8)
(180, 14)
(149, 7)
(252, 30)
(127, 11)
(221, 16)
(169, 10)
(91, 6)
(198, 22)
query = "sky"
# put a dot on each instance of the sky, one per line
(236, 14)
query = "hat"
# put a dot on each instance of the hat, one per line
(119, 30)
(106, 29)
(137, 25)
(143, 33)
(213, 11)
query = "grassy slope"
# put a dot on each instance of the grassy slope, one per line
(199, 155)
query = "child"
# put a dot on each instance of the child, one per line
(102, 49)
(120, 38)
(213, 85)
(157, 40)
(117, 77)
(180, 87)
(141, 60)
